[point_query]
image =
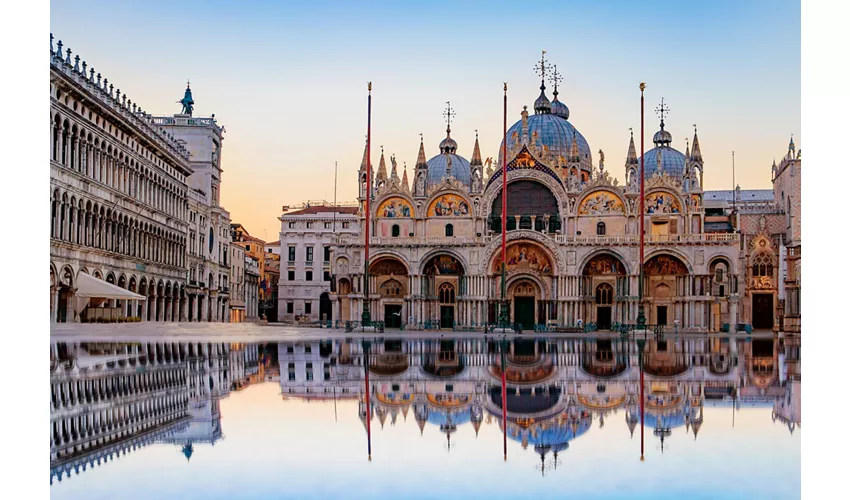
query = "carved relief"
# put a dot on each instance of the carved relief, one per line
(571, 258)
(699, 257)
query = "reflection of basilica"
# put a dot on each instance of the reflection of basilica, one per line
(108, 399)
(556, 387)
(572, 236)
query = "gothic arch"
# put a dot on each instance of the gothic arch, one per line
(730, 263)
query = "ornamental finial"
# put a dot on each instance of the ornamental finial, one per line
(449, 113)
(541, 68)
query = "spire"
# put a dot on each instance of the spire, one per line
(632, 158)
(476, 152)
(406, 186)
(791, 147)
(382, 167)
(364, 162)
(696, 155)
(420, 160)
(405, 409)
(687, 149)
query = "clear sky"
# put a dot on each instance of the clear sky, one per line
(288, 80)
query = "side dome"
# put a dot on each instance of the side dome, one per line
(438, 164)
(671, 162)
(554, 132)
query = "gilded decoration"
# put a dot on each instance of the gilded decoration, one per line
(601, 203)
(605, 265)
(694, 200)
(448, 400)
(387, 267)
(524, 256)
(662, 203)
(444, 265)
(448, 205)
(665, 264)
(394, 207)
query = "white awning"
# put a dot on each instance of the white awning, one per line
(93, 288)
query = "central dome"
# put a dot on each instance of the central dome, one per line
(437, 168)
(672, 161)
(554, 132)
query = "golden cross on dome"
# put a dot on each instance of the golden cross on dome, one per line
(661, 109)
(542, 66)
(449, 113)
(555, 78)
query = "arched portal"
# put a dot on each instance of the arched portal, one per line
(343, 290)
(390, 279)
(666, 277)
(442, 277)
(524, 294)
(605, 278)
(531, 206)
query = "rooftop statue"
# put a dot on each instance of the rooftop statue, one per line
(187, 101)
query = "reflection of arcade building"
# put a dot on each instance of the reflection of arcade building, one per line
(572, 236)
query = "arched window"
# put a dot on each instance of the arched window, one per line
(447, 293)
(762, 265)
(450, 230)
(604, 294)
(396, 231)
(600, 229)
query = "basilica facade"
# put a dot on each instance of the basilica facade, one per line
(572, 236)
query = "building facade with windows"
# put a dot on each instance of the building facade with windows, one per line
(237, 283)
(307, 236)
(119, 187)
(572, 236)
(252, 289)
(208, 266)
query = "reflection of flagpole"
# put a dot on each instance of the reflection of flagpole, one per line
(335, 417)
(503, 314)
(368, 404)
(504, 401)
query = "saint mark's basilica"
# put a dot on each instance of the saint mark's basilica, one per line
(712, 258)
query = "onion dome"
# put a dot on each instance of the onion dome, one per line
(448, 145)
(559, 108)
(542, 104)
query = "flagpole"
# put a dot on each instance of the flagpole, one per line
(336, 168)
(504, 314)
(366, 317)
(641, 319)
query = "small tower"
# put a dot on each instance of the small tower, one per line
(381, 178)
(362, 180)
(421, 171)
(405, 184)
(476, 169)
(694, 163)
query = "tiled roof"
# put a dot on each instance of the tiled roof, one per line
(745, 195)
(323, 209)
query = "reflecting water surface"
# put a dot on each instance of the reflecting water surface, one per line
(471, 417)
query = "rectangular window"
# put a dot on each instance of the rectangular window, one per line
(327, 254)
(308, 276)
(308, 350)
(345, 225)
(308, 307)
(292, 376)
(327, 225)
(309, 254)
(290, 307)
(291, 225)
(291, 254)
(290, 275)
(309, 225)
(290, 350)
(248, 248)
(327, 276)
(309, 375)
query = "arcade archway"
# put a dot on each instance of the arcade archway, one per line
(389, 275)
(604, 277)
(442, 276)
(666, 281)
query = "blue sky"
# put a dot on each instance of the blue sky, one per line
(288, 80)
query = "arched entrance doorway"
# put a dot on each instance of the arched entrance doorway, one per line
(325, 308)
(391, 280)
(442, 275)
(524, 294)
(604, 299)
(605, 277)
(665, 275)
